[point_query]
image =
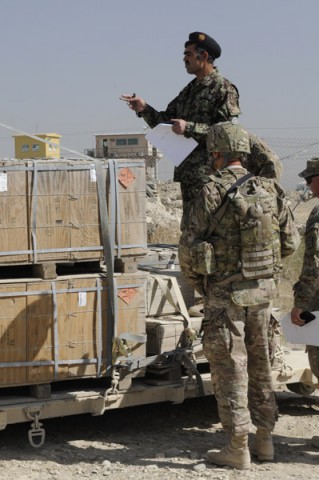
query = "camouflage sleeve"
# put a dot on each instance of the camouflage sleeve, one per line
(289, 236)
(185, 262)
(307, 288)
(152, 117)
(224, 97)
(200, 211)
(262, 160)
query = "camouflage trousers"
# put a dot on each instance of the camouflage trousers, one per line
(235, 343)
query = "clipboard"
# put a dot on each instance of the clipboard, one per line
(175, 147)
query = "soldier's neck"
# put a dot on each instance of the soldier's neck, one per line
(206, 70)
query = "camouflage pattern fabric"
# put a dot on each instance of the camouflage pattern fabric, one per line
(236, 311)
(262, 160)
(306, 290)
(236, 345)
(229, 138)
(202, 104)
(226, 238)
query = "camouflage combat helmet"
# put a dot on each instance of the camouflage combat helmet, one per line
(228, 137)
(312, 168)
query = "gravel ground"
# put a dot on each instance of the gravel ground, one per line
(161, 442)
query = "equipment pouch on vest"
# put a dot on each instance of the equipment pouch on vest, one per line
(248, 293)
(258, 229)
(203, 258)
(257, 254)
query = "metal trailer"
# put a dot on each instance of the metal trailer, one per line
(172, 376)
(96, 400)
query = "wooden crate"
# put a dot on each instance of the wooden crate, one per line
(61, 329)
(14, 231)
(51, 210)
(166, 333)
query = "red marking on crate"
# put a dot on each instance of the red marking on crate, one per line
(126, 177)
(127, 294)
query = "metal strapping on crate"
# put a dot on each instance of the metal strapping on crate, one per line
(55, 331)
(116, 212)
(108, 250)
(99, 327)
(113, 207)
(115, 317)
(48, 363)
(67, 249)
(34, 211)
(48, 292)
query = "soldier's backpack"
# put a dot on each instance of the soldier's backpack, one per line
(259, 231)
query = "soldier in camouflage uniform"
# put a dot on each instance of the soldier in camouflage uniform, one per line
(208, 99)
(306, 290)
(240, 226)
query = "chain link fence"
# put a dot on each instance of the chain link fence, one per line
(293, 153)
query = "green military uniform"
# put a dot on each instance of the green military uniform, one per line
(201, 104)
(306, 290)
(262, 160)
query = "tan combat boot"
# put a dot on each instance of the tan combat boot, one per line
(235, 454)
(262, 447)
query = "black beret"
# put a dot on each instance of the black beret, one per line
(206, 42)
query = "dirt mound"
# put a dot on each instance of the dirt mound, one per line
(164, 213)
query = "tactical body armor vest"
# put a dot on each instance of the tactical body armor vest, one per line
(259, 232)
(243, 241)
(247, 238)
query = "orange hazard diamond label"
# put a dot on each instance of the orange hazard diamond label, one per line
(126, 177)
(127, 294)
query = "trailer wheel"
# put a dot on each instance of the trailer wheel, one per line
(301, 388)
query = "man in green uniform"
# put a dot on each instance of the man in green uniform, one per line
(208, 99)
(239, 228)
(306, 290)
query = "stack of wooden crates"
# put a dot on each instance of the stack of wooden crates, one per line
(56, 326)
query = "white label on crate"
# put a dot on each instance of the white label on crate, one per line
(93, 175)
(3, 182)
(82, 299)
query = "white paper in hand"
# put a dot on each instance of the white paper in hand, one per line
(306, 335)
(175, 147)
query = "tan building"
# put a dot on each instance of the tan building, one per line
(28, 147)
(123, 145)
(127, 145)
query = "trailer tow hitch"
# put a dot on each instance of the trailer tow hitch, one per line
(113, 390)
(36, 434)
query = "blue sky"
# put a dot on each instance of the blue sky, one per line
(66, 62)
